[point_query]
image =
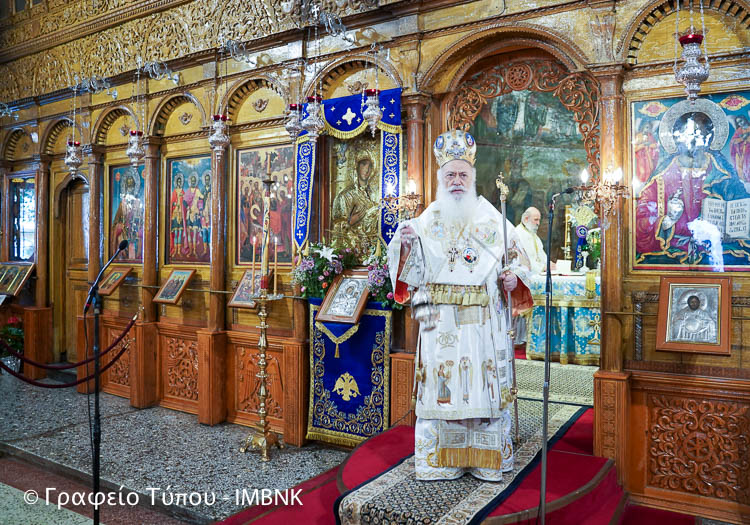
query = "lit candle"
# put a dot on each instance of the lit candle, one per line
(411, 187)
(252, 275)
(275, 263)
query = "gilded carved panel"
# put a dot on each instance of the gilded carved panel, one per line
(119, 373)
(181, 368)
(247, 383)
(700, 446)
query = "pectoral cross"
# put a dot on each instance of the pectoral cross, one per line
(452, 254)
(596, 323)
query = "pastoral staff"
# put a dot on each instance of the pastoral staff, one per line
(454, 250)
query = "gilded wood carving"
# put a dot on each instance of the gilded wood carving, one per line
(248, 384)
(700, 446)
(181, 368)
(578, 92)
(119, 373)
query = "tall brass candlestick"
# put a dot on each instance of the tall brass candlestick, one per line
(263, 438)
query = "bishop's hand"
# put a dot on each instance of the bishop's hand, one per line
(408, 236)
(509, 281)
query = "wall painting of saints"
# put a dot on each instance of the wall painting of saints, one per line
(691, 183)
(189, 210)
(354, 218)
(534, 140)
(252, 167)
(126, 207)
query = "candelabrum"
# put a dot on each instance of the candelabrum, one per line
(604, 194)
(403, 207)
(218, 140)
(262, 438)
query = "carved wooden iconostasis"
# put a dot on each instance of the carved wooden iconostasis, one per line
(458, 63)
(689, 413)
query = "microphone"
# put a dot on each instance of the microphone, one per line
(566, 191)
(95, 287)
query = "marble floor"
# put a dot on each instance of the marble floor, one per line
(155, 452)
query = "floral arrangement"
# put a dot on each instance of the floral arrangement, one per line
(12, 335)
(315, 272)
(379, 282)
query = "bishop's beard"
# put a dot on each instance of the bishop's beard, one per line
(533, 228)
(457, 208)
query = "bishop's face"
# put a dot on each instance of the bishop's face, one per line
(458, 176)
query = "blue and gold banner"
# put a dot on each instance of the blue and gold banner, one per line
(349, 377)
(344, 120)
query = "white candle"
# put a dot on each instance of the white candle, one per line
(252, 275)
(275, 263)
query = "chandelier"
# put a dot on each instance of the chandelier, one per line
(691, 73)
(73, 155)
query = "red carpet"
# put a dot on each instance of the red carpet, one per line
(637, 515)
(520, 351)
(571, 468)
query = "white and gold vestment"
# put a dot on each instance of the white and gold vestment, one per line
(463, 417)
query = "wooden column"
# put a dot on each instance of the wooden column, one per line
(416, 107)
(95, 179)
(143, 358)
(150, 221)
(42, 233)
(611, 385)
(5, 168)
(212, 343)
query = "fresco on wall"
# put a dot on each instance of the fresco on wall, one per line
(354, 218)
(534, 140)
(126, 207)
(189, 210)
(691, 183)
(252, 166)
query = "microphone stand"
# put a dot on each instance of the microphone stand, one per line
(547, 351)
(95, 299)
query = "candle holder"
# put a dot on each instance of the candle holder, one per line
(262, 438)
(405, 206)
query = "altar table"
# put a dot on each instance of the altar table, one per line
(575, 319)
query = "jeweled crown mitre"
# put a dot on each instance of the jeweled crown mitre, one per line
(454, 145)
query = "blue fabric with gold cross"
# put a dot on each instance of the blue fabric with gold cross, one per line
(349, 376)
(575, 319)
(343, 118)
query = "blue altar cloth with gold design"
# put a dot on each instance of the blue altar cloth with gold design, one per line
(349, 376)
(575, 319)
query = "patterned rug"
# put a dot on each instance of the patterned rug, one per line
(396, 496)
(568, 383)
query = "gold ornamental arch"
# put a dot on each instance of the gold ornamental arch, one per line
(578, 91)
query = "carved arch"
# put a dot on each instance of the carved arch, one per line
(167, 106)
(105, 121)
(578, 91)
(234, 98)
(53, 132)
(69, 179)
(348, 64)
(738, 11)
(14, 137)
(496, 38)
